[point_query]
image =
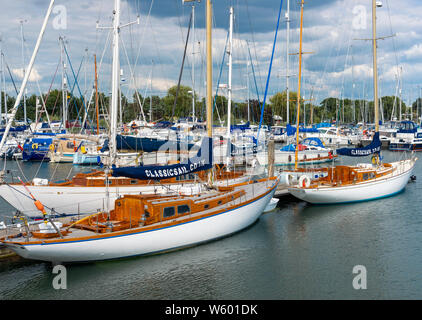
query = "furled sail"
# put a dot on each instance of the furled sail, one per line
(292, 130)
(373, 147)
(202, 161)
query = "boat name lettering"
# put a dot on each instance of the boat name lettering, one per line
(163, 173)
(358, 152)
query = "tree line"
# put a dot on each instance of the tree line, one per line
(164, 108)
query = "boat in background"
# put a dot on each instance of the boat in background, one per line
(37, 148)
(407, 138)
(310, 151)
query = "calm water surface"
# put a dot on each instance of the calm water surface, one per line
(297, 251)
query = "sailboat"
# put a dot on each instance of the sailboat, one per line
(85, 192)
(311, 150)
(147, 224)
(365, 181)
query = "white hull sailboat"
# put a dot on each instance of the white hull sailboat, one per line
(345, 184)
(389, 180)
(83, 245)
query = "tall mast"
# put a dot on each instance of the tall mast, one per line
(247, 85)
(115, 83)
(4, 86)
(150, 92)
(299, 83)
(193, 62)
(229, 88)
(209, 67)
(193, 56)
(400, 96)
(209, 82)
(287, 60)
(96, 95)
(374, 44)
(23, 69)
(64, 84)
(115, 80)
(26, 77)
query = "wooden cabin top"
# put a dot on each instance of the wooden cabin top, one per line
(345, 175)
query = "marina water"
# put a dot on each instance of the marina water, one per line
(297, 251)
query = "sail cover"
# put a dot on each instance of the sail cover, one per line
(373, 147)
(292, 130)
(202, 161)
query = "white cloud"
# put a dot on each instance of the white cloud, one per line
(359, 71)
(328, 32)
(158, 84)
(33, 77)
(414, 52)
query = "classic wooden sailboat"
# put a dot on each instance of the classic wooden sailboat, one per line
(85, 193)
(146, 224)
(149, 224)
(345, 184)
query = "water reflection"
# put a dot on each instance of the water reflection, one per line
(297, 251)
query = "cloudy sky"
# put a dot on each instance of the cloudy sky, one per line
(340, 64)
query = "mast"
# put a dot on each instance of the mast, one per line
(64, 84)
(4, 87)
(247, 85)
(374, 44)
(115, 81)
(229, 88)
(299, 83)
(193, 56)
(287, 60)
(193, 62)
(23, 70)
(209, 80)
(209, 67)
(400, 94)
(96, 94)
(26, 77)
(120, 98)
(150, 92)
